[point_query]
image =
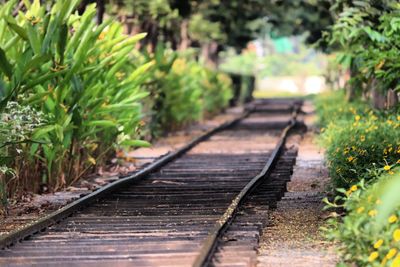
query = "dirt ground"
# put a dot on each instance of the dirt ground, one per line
(293, 236)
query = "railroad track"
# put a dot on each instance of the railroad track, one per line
(203, 205)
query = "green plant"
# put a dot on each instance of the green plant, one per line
(366, 34)
(78, 74)
(217, 91)
(367, 238)
(332, 107)
(355, 145)
(17, 126)
(183, 90)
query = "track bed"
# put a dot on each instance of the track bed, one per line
(164, 218)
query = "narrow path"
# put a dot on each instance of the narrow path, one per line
(292, 237)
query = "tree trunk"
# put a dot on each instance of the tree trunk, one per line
(209, 54)
(252, 86)
(351, 87)
(151, 40)
(350, 93)
(100, 11)
(378, 98)
(236, 85)
(365, 92)
(153, 36)
(185, 40)
(392, 99)
(82, 6)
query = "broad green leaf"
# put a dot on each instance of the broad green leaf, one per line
(129, 42)
(62, 42)
(34, 38)
(390, 198)
(102, 123)
(87, 19)
(42, 132)
(135, 143)
(36, 61)
(5, 65)
(141, 70)
(17, 29)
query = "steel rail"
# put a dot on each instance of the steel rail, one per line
(210, 244)
(61, 214)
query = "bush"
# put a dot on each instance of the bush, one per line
(332, 107)
(363, 238)
(357, 139)
(363, 152)
(90, 82)
(175, 92)
(17, 125)
(217, 91)
(184, 91)
(354, 147)
(75, 72)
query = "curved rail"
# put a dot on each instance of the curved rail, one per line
(59, 215)
(210, 244)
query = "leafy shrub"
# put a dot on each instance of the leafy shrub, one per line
(17, 126)
(364, 238)
(76, 73)
(363, 152)
(353, 147)
(332, 107)
(183, 91)
(356, 138)
(90, 83)
(217, 91)
(175, 92)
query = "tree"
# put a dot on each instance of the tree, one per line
(213, 25)
(365, 32)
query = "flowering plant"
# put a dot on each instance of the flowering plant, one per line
(363, 239)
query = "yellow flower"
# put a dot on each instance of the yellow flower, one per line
(357, 118)
(362, 138)
(398, 161)
(378, 243)
(398, 118)
(119, 75)
(373, 256)
(391, 253)
(396, 262)
(379, 65)
(392, 219)
(353, 188)
(360, 209)
(350, 159)
(396, 235)
(373, 213)
(386, 168)
(101, 36)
